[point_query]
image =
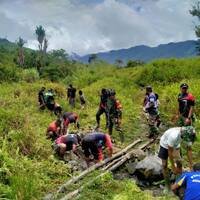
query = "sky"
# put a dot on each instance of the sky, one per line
(90, 26)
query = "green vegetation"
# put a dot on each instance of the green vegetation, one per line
(28, 169)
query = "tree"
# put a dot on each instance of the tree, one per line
(20, 43)
(92, 58)
(43, 45)
(40, 32)
(196, 13)
(59, 54)
(135, 63)
(119, 62)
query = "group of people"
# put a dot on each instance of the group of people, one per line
(112, 108)
(175, 139)
(92, 143)
(71, 96)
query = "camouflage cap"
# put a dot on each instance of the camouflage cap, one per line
(188, 134)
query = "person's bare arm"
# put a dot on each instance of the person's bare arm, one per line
(110, 152)
(174, 186)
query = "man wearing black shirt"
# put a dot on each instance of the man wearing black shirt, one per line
(71, 95)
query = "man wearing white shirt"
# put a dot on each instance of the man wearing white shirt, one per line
(170, 142)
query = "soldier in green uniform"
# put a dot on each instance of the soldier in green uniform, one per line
(114, 110)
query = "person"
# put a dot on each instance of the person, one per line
(54, 130)
(93, 143)
(49, 99)
(174, 177)
(150, 106)
(57, 109)
(186, 106)
(191, 183)
(82, 99)
(41, 99)
(102, 108)
(65, 143)
(69, 118)
(170, 143)
(71, 95)
(114, 110)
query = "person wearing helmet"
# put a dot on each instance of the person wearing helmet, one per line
(114, 109)
(41, 99)
(102, 107)
(186, 106)
(54, 130)
(150, 107)
(93, 143)
(65, 143)
(169, 144)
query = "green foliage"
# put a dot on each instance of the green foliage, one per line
(134, 63)
(9, 74)
(168, 71)
(106, 187)
(195, 12)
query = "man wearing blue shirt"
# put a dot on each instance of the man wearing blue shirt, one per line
(191, 182)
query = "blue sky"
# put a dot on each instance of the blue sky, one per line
(87, 26)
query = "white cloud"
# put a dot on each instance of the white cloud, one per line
(86, 26)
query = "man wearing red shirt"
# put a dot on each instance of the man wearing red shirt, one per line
(67, 143)
(186, 106)
(93, 143)
(54, 130)
(69, 118)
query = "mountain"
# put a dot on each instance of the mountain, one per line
(7, 44)
(145, 53)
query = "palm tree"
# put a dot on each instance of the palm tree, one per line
(20, 43)
(45, 46)
(40, 32)
(195, 12)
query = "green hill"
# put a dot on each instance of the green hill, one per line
(28, 169)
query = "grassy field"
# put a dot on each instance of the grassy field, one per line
(28, 169)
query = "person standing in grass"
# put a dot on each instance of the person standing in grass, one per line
(41, 98)
(82, 99)
(71, 95)
(114, 110)
(150, 107)
(186, 106)
(102, 108)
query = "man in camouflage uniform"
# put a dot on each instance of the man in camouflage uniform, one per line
(114, 110)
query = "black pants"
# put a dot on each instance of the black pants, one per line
(98, 116)
(90, 148)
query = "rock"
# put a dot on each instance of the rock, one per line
(139, 154)
(48, 197)
(131, 167)
(149, 169)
